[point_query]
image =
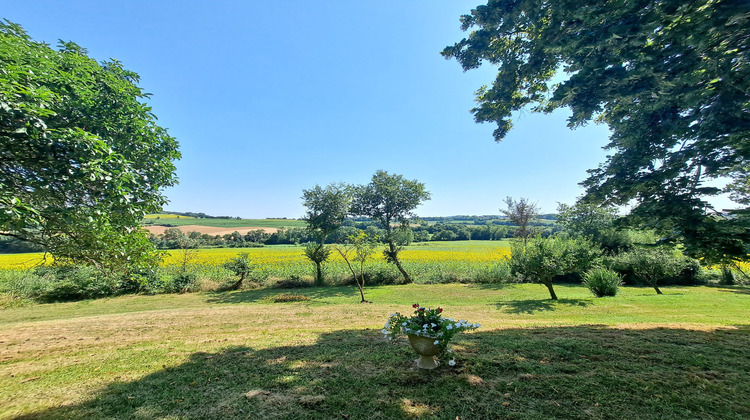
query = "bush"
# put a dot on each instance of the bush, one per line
(657, 265)
(545, 259)
(182, 282)
(70, 282)
(289, 298)
(293, 282)
(602, 281)
(499, 273)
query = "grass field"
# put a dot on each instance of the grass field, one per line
(227, 223)
(166, 216)
(235, 355)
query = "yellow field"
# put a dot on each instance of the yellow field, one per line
(282, 257)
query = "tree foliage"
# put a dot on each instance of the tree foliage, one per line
(521, 213)
(327, 209)
(543, 259)
(82, 158)
(390, 199)
(670, 78)
(596, 223)
(355, 252)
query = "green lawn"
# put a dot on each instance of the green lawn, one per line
(235, 355)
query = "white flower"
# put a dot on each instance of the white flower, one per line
(403, 324)
(477, 325)
(384, 331)
(452, 362)
(449, 351)
(449, 327)
(436, 342)
(393, 314)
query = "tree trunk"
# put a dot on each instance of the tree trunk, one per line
(360, 284)
(407, 278)
(319, 274)
(238, 283)
(551, 289)
(658, 292)
(394, 257)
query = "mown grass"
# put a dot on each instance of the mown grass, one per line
(235, 355)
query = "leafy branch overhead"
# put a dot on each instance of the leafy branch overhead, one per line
(82, 158)
(671, 79)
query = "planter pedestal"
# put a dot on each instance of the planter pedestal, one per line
(426, 349)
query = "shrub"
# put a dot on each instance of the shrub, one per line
(544, 259)
(602, 281)
(182, 282)
(289, 298)
(240, 266)
(293, 282)
(499, 273)
(656, 266)
(70, 282)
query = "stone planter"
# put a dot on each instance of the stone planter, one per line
(426, 349)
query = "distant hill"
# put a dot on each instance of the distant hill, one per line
(170, 220)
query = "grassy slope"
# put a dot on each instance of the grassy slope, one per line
(228, 223)
(233, 355)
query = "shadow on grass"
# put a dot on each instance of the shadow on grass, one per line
(742, 290)
(532, 306)
(262, 295)
(525, 373)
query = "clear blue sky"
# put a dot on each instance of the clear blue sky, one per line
(268, 98)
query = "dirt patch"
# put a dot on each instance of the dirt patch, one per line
(211, 230)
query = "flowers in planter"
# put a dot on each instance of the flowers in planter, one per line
(427, 322)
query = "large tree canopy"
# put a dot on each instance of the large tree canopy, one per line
(390, 199)
(671, 78)
(82, 158)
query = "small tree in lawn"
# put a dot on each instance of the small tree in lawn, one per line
(317, 253)
(240, 266)
(653, 264)
(542, 259)
(355, 252)
(390, 199)
(326, 211)
(521, 213)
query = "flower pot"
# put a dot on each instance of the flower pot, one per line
(426, 349)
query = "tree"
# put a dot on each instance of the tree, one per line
(521, 213)
(240, 266)
(594, 222)
(82, 158)
(543, 259)
(390, 199)
(356, 251)
(326, 211)
(670, 78)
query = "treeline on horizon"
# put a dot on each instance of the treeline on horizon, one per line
(441, 230)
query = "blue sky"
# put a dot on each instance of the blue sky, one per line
(268, 98)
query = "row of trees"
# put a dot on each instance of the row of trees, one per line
(388, 199)
(174, 238)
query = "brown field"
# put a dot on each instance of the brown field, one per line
(211, 230)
